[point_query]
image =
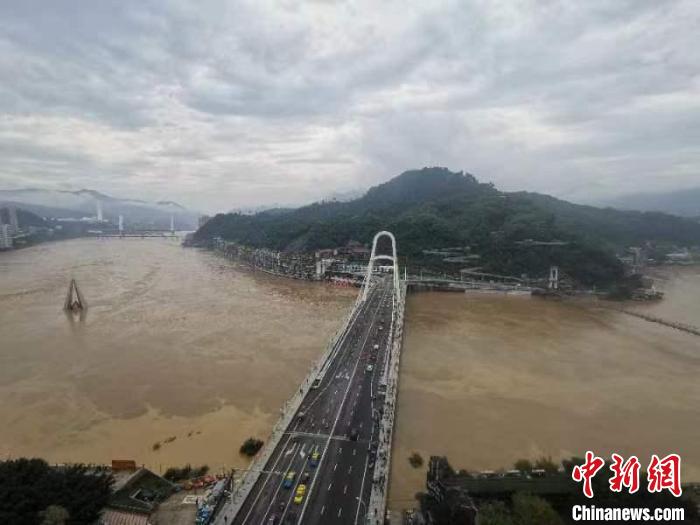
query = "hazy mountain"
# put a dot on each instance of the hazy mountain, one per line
(83, 203)
(437, 208)
(682, 202)
(25, 218)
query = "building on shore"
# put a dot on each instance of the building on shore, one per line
(5, 237)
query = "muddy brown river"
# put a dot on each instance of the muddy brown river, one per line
(181, 343)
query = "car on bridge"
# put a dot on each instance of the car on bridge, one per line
(315, 457)
(289, 479)
(301, 491)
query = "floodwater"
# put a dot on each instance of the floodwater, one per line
(181, 343)
(176, 343)
(488, 379)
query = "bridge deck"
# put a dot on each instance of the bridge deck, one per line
(340, 421)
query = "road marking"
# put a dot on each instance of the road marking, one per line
(337, 419)
(329, 486)
(350, 470)
(340, 511)
(364, 474)
(345, 490)
(354, 451)
(323, 509)
(255, 501)
(293, 490)
(335, 467)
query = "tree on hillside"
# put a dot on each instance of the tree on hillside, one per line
(523, 465)
(494, 513)
(32, 492)
(54, 515)
(533, 510)
(547, 464)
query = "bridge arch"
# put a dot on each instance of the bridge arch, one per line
(374, 256)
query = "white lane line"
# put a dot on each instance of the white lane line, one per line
(340, 511)
(350, 470)
(329, 486)
(364, 474)
(294, 489)
(354, 451)
(335, 467)
(340, 410)
(262, 489)
(345, 490)
(323, 509)
(279, 486)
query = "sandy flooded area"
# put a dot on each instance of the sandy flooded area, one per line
(488, 379)
(176, 343)
(181, 343)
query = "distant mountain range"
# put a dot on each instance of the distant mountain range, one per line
(435, 208)
(83, 203)
(685, 203)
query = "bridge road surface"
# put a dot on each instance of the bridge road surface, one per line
(344, 402)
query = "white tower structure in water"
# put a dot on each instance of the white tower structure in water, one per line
(553, 278)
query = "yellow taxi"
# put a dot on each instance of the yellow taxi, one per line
(299, 497)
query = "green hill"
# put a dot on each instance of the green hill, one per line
(435, 208)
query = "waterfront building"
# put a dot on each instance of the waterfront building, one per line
(5, 237)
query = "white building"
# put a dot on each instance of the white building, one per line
(5, 237)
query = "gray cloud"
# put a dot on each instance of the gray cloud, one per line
(220, 104)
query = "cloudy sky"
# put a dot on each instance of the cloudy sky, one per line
(220, 104)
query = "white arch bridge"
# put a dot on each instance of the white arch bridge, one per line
(327, 458)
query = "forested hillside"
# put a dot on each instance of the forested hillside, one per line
(436, 208)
